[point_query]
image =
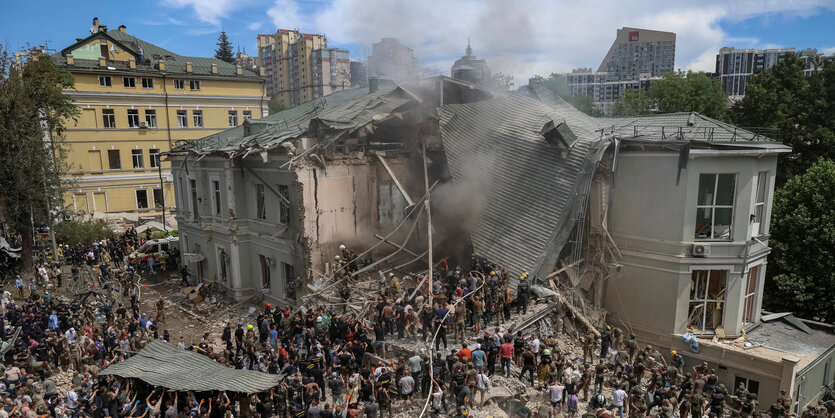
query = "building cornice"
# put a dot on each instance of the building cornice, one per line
(160, 96)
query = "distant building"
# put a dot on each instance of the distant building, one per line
(470, 68)
(635, 60)
(300, 67)
(392, 60)
(246, 61)
(735, 67)
(359, 74)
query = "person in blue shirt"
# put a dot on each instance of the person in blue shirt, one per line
(478, 356)
(18, 282)
(53, 320)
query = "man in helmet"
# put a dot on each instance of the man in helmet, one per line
(349, 258)
(338, 266)
(394, 288)
(523, 294)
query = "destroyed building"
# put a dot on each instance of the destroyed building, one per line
(657, 225)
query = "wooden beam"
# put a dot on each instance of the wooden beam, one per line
(554, 274)
(405, 250)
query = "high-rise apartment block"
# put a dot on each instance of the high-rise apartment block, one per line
(735, 67)
(392, 60)
(635, 60)
(300, 67)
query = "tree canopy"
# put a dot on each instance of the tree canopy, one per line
(33, 111)
(797, 107)
(676, 92)
(224, 49)
(802, 237)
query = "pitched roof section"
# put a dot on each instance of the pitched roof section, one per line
(525, 186)
(174, 63)
(345, 110)
(162, 364)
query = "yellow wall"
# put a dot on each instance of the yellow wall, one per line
(98, 188)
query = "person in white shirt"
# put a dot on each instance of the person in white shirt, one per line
(437, 399)
(483, 385)
(70, 335)
(407, 386)
(535, 343)
(618, 396)
(556, 390)
(72, 399)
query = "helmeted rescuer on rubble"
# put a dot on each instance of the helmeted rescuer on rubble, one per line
(350, 258)
(523, 294)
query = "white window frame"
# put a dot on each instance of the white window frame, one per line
(147, 82)
(129, 82)
(233, 118)
(197, 118)
(182, 118)
(758, 227)
(194, 85)
(154, 158)
(137, 157)
(260, 202)
(147, 198)
(705, 299)
(133, 118)
(154, 197)
(151, 118)
(105, 81)
(108, 118)
(750, 295)
(247, 114)
(713, 206)
(179, 84)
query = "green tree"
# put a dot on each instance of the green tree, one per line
(676, 92)
(795, 108)
(276, 105)
(33, 111)
(82, 230)
(802, 237)
(224, 49)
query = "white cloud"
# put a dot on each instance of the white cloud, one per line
(829, 50)
(527, 37)
(255, 25)
(209, 11)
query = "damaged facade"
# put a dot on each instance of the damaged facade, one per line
(657, 225)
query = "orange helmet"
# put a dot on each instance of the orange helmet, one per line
(268, 306)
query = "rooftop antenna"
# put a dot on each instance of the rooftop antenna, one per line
(469, 48)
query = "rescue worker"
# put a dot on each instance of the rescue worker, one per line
(523, 294)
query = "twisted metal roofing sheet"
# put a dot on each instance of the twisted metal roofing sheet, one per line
(529, 190)
(165, 365)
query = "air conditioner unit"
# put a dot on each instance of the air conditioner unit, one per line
(143, 124)
(700, 250)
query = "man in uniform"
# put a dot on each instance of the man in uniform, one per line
(160, 311)
(523, 294)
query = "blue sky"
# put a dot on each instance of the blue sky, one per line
(522, 38)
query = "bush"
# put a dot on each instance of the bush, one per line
(84, 231)
(163, 234)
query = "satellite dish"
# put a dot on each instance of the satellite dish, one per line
(94, 29)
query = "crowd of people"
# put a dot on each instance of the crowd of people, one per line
(339, 363)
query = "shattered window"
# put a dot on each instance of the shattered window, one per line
(749, 309)
(283, 206)
(707, 300)
(714, 210)
(260, 206)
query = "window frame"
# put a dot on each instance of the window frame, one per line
(105, 81)
(705, 299)
(247, 115)
(182, 119)
(192, 84)
(108, 117)
(147, 199)
(195, 199)
(118, 155)
(283, 208)
(233, 118)
(134, 153)
(147, 82)
(749, 298)
(129, 82)
(154, 158)
(151, 118)
(266, 274)
(154, 197)
(713, 206)
(216, 197)
(133, 118)
(760, 197)
(181, 82)
(197, 118)
(260, 202)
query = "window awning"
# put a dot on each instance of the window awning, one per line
(193, 257)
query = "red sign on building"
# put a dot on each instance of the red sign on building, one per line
(633, 36)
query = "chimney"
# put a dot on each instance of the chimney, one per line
(102, 62)
(123, 29)
(132, 63)
(69, 59)
(239, 70)
(162, 65)
(214, 68)
(188, 67)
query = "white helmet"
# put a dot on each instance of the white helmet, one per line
(336, 257)
(342, 248)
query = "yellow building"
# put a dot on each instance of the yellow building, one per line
(136, 100)
(300, 67)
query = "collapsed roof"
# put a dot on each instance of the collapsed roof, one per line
(163, 364)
